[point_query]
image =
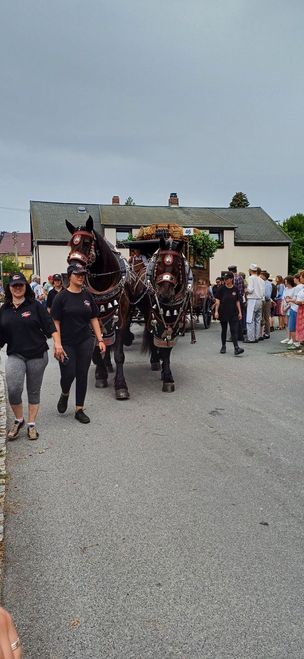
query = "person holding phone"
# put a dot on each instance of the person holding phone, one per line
(75, 315)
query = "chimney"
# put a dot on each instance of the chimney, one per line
(115, 199)
(173, 199)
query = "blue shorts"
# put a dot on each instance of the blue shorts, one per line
(292, 320)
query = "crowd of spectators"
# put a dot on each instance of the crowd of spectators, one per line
(265, 303)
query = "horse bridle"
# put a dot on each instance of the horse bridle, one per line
(176, 310)
(166, 257)
(87, 255)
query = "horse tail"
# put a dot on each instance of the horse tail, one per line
(146, 342)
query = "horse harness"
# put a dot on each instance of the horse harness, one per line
(169, 319)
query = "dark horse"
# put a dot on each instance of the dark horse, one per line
(170, 302)
(106, 282)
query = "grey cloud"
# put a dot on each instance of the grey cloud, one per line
(141, 98)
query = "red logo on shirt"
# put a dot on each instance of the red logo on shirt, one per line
(26, 314)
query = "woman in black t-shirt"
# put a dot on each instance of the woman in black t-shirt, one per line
(75, 315)
(228, 310)
(24, 326)
(57, 287)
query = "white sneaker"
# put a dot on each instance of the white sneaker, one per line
(297, 344)
(285, 341)
(290, 342)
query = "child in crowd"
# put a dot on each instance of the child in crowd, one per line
(279, 301)
(288, 290)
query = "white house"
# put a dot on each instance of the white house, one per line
(247, 235)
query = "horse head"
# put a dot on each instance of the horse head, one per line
(82, 243)
(169, 270)
(94, 252)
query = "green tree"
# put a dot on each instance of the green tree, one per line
(130, 201)
(239, 200)
(294, 227)
(201, 247)
(9, 264)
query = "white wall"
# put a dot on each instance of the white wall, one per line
(274, 259)
(110, 235)
(52, 258)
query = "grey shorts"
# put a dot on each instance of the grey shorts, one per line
(18, 368)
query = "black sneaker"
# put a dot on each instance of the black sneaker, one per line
(62, 404)
(82, 417)
(238, 351)
(223, 350)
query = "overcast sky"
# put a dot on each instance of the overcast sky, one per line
(147, 97)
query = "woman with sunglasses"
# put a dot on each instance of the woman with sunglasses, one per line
(24, 326)
(75, 315)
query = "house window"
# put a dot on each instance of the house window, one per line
(122, 236)
(217, 234)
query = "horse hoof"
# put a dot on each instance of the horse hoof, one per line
(155, 366)
(168, 387)
(101, 384)
(128, 339)
(122, 394)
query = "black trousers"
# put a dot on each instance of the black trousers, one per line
(77, 367)
(234, 328)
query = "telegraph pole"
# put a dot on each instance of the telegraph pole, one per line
(15, 238)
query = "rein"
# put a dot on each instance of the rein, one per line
(136, 280)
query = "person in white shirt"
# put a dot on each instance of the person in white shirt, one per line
(255, 294)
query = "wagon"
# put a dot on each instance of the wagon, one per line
(202, 298)
(147, 242)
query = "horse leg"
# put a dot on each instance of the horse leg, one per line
(166, 375)
(128, 335)
(154, 357)
(107, 360)
(154, 352)
(101, 373)
(121, 389)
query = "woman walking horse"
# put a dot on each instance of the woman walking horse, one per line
(107, 272)
(165, 300)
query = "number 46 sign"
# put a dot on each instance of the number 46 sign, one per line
(188, 231)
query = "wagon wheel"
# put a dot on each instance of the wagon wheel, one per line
(206, 313)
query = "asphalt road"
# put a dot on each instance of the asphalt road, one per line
(172, 525)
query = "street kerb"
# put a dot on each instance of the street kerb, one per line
(2, 460)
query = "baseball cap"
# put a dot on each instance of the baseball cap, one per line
(17, 278)
(228, 275)
(76, 269)
(253, 267)
(57, 277)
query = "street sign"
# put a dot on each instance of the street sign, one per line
(188, 231)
